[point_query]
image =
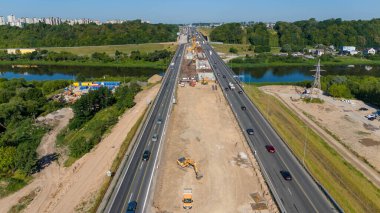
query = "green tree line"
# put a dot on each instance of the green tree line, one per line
(94, 113)
(45, 55)
(64, 35)
(365, 88)
(295, 36)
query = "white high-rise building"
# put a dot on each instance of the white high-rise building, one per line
(2, 20)
(11, 20)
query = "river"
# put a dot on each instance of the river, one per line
(261, 74)
(70, 72)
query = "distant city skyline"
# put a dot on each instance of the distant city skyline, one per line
(174, 11)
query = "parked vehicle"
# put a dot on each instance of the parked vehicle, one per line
(187, 198)
(363, 109)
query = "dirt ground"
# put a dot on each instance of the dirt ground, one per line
(342, 119)
(203, 128)
(74, 188)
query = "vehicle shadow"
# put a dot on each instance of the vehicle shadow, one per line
(44, 162)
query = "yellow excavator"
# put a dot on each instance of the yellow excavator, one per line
(186, 162)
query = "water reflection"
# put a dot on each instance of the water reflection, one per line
(295, 74)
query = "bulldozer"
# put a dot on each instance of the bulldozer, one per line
(185, 162)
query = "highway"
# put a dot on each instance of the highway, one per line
(136, 178)
(301, 194)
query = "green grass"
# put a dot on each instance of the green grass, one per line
(346, 185)
(225, 48)
(116, 163)
(110, 49)
(8, 185)
(93, 130)
(205, 31)
(137, 64)
(23, 202)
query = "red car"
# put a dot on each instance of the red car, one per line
(270, 148)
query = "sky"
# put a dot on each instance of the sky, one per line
(191, 11)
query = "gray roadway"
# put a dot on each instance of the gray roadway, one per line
(137, 176)
(301, 194)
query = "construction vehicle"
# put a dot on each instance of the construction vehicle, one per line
(187, 198)
(193, 44)
(186, 162)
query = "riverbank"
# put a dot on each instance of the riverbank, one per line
(128, 64)
(342, 61)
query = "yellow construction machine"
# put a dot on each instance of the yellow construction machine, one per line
(193, 44)
(186, 162)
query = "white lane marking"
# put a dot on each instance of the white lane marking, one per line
(160, 142)
(141, 166)
(290, 191)
(138, 140)
(130, 197)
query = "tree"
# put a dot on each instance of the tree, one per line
(339, 91)
(233, 50)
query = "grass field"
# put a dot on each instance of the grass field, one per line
(130, 63)
(110, 49)
(205, 31)
(225, 48)
(348, 186)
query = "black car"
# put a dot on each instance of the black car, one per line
(226, 88)
(224, 76)
(243, 108)
(146, 155)
(250, 131)
(363, 109)
(159, 121)
(286, 175)
(240, 92)
(131, 207)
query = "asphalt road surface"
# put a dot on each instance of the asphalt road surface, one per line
(301, 194)
(136, 178)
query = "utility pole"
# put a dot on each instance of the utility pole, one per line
(317, 79)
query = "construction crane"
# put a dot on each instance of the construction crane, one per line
(186, 162)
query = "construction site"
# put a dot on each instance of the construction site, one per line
(206, 164)
(195, 66)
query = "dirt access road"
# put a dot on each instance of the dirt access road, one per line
(203, 128)
(74, 189)
(345, 121)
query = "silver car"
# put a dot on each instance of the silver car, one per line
(154, 138)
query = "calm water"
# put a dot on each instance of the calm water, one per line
(295, 74)
(262, 74)
(70, 72)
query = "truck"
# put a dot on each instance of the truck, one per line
(187, 198)
(231, 86)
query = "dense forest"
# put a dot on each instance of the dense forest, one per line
(20, 103)
(365, 88)
(298, 35)
(43, 35)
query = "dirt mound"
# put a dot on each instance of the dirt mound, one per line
(154, 79)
